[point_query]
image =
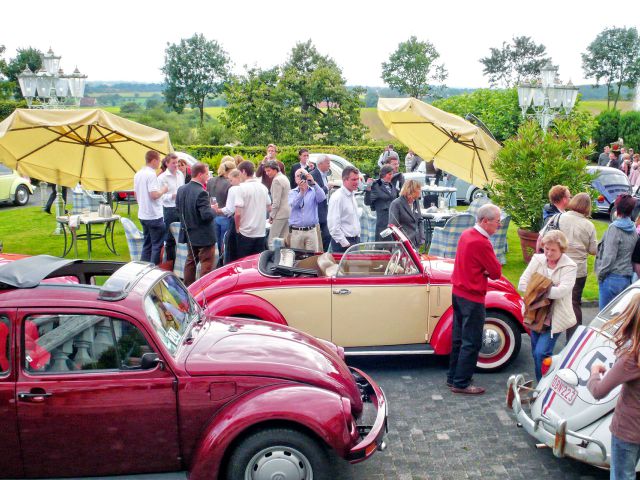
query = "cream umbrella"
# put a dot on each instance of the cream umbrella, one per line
(456, 146)
(96, 148)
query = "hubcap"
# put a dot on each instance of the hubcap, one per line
(21, 195)
(492, 341)
(279, 463)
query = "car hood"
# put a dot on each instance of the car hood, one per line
(586, 347)
(232, 346)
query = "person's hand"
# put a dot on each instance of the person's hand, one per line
(598, 368)
(270, 221)
(165, 188)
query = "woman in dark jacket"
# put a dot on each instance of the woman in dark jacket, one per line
(404, 212)
(379, 195)
(218, 187)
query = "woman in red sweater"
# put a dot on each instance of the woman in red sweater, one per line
(625, 425)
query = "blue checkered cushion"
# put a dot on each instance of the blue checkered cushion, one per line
(83, 199)
(499, 240)
(444, 240)
(135, 239)
(367, 225)
(476, 204)
(181, 250)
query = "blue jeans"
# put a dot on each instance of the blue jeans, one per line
(611, 286)
(153, 232)
(624, 458)
(541, 347)
(222, 225)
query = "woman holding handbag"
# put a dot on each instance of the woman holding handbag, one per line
(561, 270)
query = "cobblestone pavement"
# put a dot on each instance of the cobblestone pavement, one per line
(434, 434)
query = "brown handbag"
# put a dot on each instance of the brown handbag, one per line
(537, 305)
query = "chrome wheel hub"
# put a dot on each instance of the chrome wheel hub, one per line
(492, 341)
(279, 463)
(21, 195)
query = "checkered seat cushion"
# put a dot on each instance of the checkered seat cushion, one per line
(444, 241)
(83, 199)
(499, 240)
(134, 237)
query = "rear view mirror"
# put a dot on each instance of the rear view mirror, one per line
(151, 360)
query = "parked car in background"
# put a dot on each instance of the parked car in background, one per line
(609, 182)
(465, 192)
(563, 414)
(133, 377)
(378, 298)
(13, 187)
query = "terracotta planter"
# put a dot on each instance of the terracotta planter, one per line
(528, 242)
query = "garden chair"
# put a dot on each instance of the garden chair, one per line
(135, 239)
(127, 198)
(444, 240)
(367, 221)
(83, 199)
(181, 250)
(476, 204)
(499, 240)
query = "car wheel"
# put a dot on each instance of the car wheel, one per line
(501, 341)
(279, 453)
(477, 193)
(22, 196)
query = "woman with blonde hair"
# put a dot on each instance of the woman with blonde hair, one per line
(581, 235)
(404, 212)
(555, 264)
(625, 425)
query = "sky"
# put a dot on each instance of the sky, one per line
(126, 40)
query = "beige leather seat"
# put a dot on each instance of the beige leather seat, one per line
(325, 263)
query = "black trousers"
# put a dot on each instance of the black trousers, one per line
(170, 215)
(466, 340)
(337, 248)
(249, 245)
(52, 197)
(326, 236)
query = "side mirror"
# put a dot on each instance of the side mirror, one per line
(150, 361)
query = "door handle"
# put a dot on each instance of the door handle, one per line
(342, 291)
(33, 397)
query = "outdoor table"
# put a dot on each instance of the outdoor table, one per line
(434, 219)
(439, 191)
(88, 220)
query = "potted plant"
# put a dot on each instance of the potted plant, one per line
(531, 163)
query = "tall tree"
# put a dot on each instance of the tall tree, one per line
(412, 67)
(513, 62)
(194, 69)
(30, 57)
(614, 58)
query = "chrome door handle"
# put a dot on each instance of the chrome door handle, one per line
(33, 397)
(342, 291)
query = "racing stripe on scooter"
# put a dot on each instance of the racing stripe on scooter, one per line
(572, 356)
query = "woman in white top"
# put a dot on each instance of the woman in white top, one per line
(556, 265)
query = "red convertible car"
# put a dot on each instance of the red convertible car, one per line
(133, 377)
(377, 298)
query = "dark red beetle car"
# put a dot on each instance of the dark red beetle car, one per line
(133, 377)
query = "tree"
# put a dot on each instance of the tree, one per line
(614, 57)
(30, 57)
(412, 66)
(513, 62)
(194, 69)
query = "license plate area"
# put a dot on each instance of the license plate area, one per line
(563, 390)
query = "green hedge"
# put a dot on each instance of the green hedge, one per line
(364, 158)
(8, 106)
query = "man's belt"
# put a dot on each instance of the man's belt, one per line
(302, 229)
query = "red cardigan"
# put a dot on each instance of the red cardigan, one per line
(475, 261)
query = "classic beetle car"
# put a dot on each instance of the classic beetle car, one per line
(133, 377)
(377, 298)
(13, 187)
(563, 414)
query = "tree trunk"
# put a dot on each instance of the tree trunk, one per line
(615, 101)
(201, 108)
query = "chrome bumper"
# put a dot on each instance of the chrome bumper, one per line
(558, 441)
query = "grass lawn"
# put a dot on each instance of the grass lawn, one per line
(214, 111)
(30, 231)
(596, 106)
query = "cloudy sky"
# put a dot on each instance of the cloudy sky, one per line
(126, 40)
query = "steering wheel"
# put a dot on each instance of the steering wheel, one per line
(394, 263)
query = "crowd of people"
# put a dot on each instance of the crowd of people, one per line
(623, 159)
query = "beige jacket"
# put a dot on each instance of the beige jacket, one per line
(563, 277)
(280, 198)
(581, 235)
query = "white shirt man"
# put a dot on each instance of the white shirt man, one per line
(252, 203)
(342, 218)
(173, 179)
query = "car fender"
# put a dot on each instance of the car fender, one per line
(505, 302)
(245, 305)
(20, 181)
(317, 410)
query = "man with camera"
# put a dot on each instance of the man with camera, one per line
(304, 200)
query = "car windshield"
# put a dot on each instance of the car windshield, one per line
(615, 308)
(613, 178)
(171, 310)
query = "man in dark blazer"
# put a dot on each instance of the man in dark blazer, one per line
(321, 176)
(197, 229)
(303, 162)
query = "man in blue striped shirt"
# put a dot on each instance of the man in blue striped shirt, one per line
(303, 220)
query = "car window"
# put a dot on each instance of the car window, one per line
(613, 179)
(81, 343)
(376, 259)
(615, 308)
(4, 170)
(5, 344)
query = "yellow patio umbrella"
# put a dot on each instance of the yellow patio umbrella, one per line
(456, 146)
(100, 150)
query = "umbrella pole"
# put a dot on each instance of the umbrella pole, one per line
(59, 210)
